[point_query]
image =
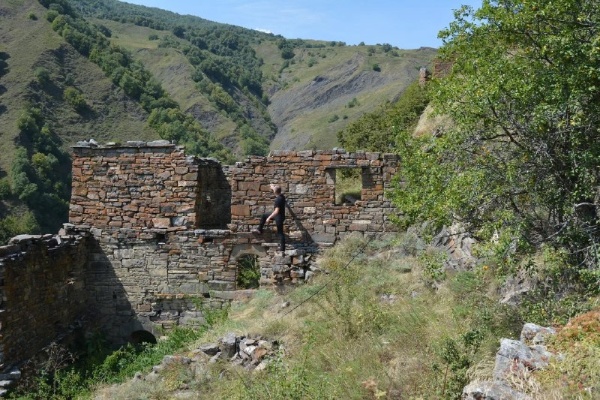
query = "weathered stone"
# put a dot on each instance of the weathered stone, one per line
(154, 237)
(534, 334)
(490, 390)
(210, 348)
(515, 356)
(228, 345)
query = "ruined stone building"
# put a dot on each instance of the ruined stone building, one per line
(155, 236)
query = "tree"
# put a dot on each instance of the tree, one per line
(523, 152)
(287, 53)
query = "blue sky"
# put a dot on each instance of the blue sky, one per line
(403, 23)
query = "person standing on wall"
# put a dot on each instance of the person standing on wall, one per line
(278, 215)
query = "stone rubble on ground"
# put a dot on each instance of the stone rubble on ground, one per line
(248, 351)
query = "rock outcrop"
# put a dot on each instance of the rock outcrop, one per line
(514, 360)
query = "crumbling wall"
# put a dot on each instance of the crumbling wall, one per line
(170, 229)
(136, 186)
(43, 291)
(155, 237)
(308, 182)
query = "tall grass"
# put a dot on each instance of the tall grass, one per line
(375, 331)
(375, 326)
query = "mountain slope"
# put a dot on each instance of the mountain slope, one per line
(310, 104)
(32, 46)
(300, 114)
(74, 70)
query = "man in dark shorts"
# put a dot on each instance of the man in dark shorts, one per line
(278, 215)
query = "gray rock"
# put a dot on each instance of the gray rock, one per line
(152, 376)
(136, 143)
(23, 238)
(158, 143)
(167, 360)
(210, 349)
(535, 334)
(214, 358)
(488, 390)
(228, 345)
(515, 356)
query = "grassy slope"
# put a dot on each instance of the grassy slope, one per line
(378, 327)
(346, 73)
(24, 40)
(173, 71)
(31, 44)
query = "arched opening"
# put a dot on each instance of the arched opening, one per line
(141, 336)
(248, 272)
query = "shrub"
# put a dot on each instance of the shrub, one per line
(75, 99)
(42, 75)
(248, 273)
(287, 53)
(5, 190)
(333, 118)
(353, 103)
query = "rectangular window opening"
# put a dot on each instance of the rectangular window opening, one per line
(348, 185)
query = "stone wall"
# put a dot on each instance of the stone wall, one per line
(43, 288)
(155, 238)
(308, 180)
(170, 230)
(154, 186)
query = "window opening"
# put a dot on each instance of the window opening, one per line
(248, 272)
(348, 185)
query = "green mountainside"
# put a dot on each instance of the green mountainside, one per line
(112, 71)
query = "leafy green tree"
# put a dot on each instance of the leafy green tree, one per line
(522, 153)
(287, 53)
(179, 31)
(14, 225)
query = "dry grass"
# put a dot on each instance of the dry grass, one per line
(377, 329)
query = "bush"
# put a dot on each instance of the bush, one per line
(42, 75)
(333, 118)
(5, 190)
(248, 273)
(287, 53)
(51, 15)
(75, 99)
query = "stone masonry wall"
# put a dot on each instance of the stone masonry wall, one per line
(43, 292)
(131, 187)
(308, 180)
(155, 238)
(170, 230)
